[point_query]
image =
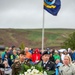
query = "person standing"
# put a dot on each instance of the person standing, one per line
(7, 69)
(19, 64)
(46, 63)
(67, 68)
(14, 56)
(56, 55)
(58, 64)
(28, 54)
(36, 56)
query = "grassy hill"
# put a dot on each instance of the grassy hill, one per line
(33, 37)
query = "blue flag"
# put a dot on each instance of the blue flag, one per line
(52, 6)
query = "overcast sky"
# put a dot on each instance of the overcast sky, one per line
(29, 14)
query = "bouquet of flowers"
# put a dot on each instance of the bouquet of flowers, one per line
(35, 70)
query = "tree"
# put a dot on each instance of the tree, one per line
(22, 46)
(70, 42)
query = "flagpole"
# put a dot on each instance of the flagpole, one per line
(43, 29)
(52, 9)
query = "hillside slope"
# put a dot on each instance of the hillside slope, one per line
(33, 37)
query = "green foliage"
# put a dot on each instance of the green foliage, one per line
(22, 46)
(70, 42)
(39, 68)
(26, 67)
(50, 72)
(36, 66)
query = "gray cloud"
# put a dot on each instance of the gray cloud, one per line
(29, 14)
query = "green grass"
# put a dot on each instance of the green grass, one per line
(33, 37)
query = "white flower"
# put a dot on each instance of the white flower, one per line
(29, 70)
(45, 73)
(21, 74)
(40, 73)
(34, 71)
(32, 67)
(25, 73)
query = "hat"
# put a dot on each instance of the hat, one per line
(22, 52)
(46, 52)
(56, 51)
(36, 50)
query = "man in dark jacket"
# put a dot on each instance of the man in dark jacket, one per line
(46, 63)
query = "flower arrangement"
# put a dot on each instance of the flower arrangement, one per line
(35, 70)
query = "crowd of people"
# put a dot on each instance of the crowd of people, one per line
(12, 59)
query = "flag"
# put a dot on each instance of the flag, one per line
(52, 6)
